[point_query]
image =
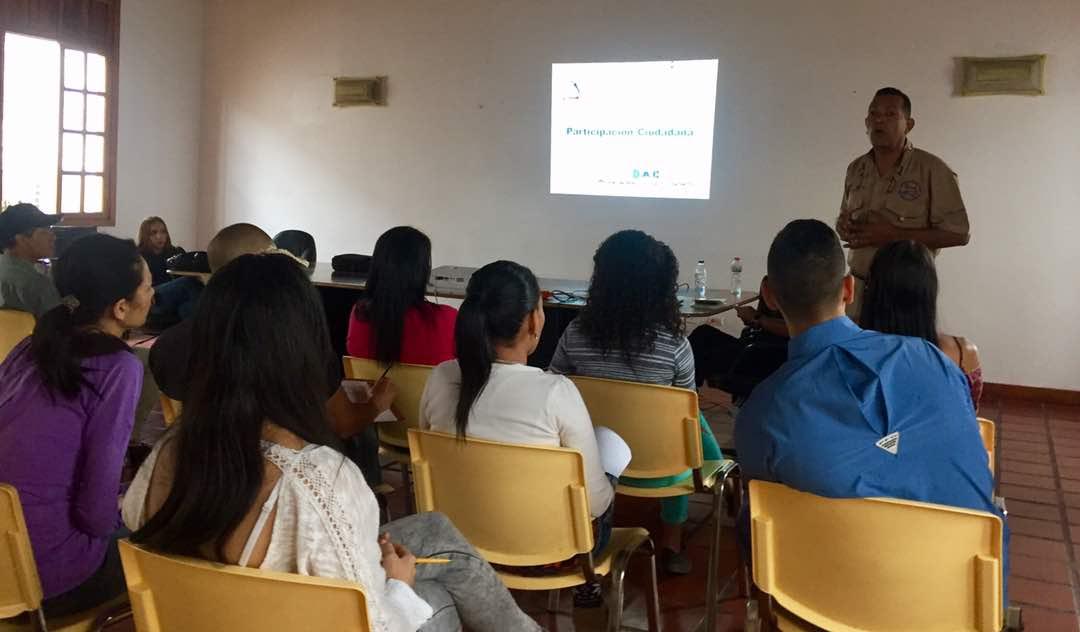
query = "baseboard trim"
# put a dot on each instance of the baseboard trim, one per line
(1031, 393)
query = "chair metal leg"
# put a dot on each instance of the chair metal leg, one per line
(406, 477)
(553, 601)
(652, 608)
(615, 596)
(714, 560)
(120, 613)
(40, 620)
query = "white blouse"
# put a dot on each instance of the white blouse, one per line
(521, 404)
(326, 525)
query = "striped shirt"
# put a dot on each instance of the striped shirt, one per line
(670, 362)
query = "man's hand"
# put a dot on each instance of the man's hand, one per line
(397, 561)
(746, 314)
(871, 235)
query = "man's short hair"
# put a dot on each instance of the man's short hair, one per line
(235, 240)
(806, 268)
(889, 91)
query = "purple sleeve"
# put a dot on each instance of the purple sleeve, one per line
(105, 440)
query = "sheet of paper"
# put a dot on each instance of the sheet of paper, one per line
(614, 451)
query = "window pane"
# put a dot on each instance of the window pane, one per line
(95, 73)
(95, 113)
(72, 159)
(70, 194)
(73, 110)
(31, 109)
(74, 69)
(94, 188)
(95, 153)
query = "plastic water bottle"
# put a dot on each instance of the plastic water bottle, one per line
(700, 279)
(736, 277)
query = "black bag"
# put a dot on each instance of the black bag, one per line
(351, 265)
(194, 261)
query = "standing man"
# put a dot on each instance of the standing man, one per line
(26, 237)
(896, 192)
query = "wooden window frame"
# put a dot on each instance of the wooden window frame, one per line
(89, 26)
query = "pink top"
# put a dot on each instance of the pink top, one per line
(428, 336)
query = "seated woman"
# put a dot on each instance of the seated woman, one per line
(175, 298)
(67, 403)
(717, 353)
(901, 298)
(394, 322)
(155, 245)
(253, 475)
(490, 392)
(630, 329)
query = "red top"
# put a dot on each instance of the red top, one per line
(428, 336)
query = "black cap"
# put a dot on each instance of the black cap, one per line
(22, 218)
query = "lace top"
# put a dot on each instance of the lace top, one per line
(326, 525)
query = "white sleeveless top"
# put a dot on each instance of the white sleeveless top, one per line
(326, 525)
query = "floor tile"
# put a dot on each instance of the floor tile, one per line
(1043, 620)
(1020, 467)
(1038, 568)
(1038, 593)
(1028, 480)
(1038, 547)
(1024, 509)
(1030, 494)
(1038, 528)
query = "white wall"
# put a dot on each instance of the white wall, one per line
(462, 149)
(161, 44)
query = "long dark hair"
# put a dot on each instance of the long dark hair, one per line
(498, 298)
(633, 295)
(144, 235)
(901, 293)
(400, 268)
(95, 272)
(262, 342)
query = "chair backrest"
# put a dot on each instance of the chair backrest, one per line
(989, 435)
(876, 564)
(14, 326)
(660, 423)
(170, 409)
(176, 593)
(20, 587)
(299, 243)
(519, 505)
(409, 379)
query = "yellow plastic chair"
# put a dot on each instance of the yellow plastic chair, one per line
(989, 434)
(525, 505)
(410, 380)
(170, 409)
(660, 423)
(20, 587)
(174, 593)
(14, 326)
(849, 565)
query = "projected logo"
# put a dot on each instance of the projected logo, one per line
(646, 173)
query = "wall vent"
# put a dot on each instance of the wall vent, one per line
(350, 91)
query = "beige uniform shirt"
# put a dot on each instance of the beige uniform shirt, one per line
(920, 192)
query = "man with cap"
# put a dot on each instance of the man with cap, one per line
(26, 237)
(896, 192)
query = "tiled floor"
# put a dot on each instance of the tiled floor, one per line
(1039, 475)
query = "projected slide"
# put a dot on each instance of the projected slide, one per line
(633, 129)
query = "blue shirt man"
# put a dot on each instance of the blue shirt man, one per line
(856, 413)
